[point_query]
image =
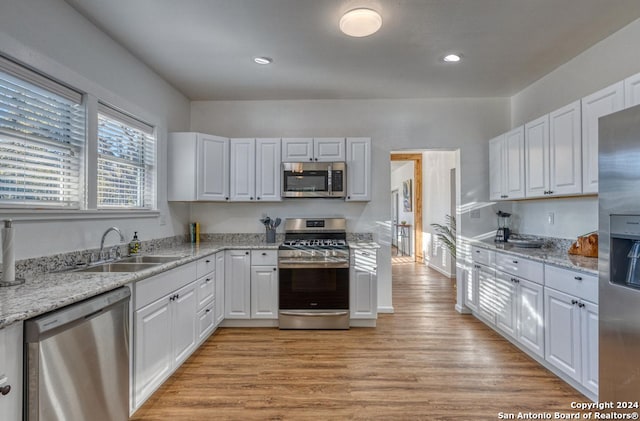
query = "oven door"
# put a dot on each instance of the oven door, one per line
(314, 288)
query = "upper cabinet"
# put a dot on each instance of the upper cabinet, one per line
(536, 135)
(197, 167)
(632, 91)
(594, 106)
(255, 170)
(565, 149)
(358, 169)
(506, 160)
(320, 149)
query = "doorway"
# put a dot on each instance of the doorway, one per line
(395, 206)
(412, 200)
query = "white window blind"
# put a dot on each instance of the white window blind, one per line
(126, 161)
(42, 125)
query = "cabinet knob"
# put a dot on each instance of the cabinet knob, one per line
(581, 305)
(578, 278)
(207, 261)
(251, 198)
(257, 198)
(274, 269)
(177, 296)
(316, 159)
(264, 253)
(207, 311)
(310, 159)
(348, 197)
(246, 252)
(574, 302)
(515, 262)
(4, 390)
(207, 280)
(226, 198)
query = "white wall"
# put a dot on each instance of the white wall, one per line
(52, 37)
(401, 172)
(392, 124)
(437, 199)
(607, 62)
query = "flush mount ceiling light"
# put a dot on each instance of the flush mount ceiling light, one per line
(360, 22)
(262, 60)
(452, 58)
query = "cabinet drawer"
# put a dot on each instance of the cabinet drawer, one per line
(483, 256)
(151, 289)
(206, 320)
(578, 284)
(206, 265)
(524, 268)
(264, 257)
(205, 290)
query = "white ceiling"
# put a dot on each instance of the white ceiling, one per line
(205, 47)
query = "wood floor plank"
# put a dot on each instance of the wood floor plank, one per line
(425, 362)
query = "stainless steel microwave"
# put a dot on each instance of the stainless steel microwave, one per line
(314, 179)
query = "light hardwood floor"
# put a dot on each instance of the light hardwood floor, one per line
(425, 362)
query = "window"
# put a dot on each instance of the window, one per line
(42, 138)
(125, 161)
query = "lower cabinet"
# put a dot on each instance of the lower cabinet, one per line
(505, 303)
(363, 284)
(529, 316)
(11, 375)
(251, 284)
(486, 293)
(220, 299)
(571, 337)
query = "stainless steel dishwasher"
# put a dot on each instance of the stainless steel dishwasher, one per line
(77, 361)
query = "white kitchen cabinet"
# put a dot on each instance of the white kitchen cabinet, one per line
(206, 289)
(505, 303)
(328, 149)
(562, 333)
(267, 170)
(264, 292)
(471, 288)
(358, 169)
(237, 284)
(242, 177)
(363, 284)
(219, 296)
(486, 294)
(594, 106)
(183, 319)
(632, 91)
(197, 167)
(565, 149)
(506, 161)
(530, 316)
(11, 375)
(536, 139)
(589, 340)
(206, 321)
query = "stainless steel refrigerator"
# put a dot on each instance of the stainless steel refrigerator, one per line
(619, 256)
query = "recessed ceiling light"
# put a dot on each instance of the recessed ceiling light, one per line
(452, 58)
(262, 60)
(360, 22)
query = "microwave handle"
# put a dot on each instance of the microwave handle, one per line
(330, 176)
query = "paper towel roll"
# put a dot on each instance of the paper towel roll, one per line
(8, 255)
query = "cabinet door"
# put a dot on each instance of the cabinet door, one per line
(562, 332)
(182, 178)
(328, 149)
(530, 316)
(363, 294)
(589, 326)
(206, 322)
(594, 106)
(11, 361)
(219, 307)
(513, 172)
(237, 285)
(505, 302)
(487, 294)
(536, 139)
(496, 163)
(184, 326)
(298, 149)
(152, 350)
(565, 140)
(212, 168)
(242, 169)
(632, 91)
(471, 287)
(358, 169)
(264, 292)
(206, 289)
(268, 152)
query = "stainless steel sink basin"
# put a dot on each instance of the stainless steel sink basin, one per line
(119, 267)
(149, 259)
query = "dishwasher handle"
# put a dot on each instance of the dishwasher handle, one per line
(56, 321)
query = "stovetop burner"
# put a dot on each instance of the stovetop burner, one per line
(319, 242)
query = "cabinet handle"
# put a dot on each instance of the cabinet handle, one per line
(477, 251)
(172, 298)
(581, 305)
(177, 296)
(574, 302)
(316, 159)
(364, 253)
(246, 252)
(4, 390)
(578, 278)
(207, 261)
(257, 198)
(207, 311)
(515, 262)
(310, 159)
(375, 268)
(207, 280)
(251, 198)
(264, 253)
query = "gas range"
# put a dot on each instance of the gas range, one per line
(324, 243)
(320, 242)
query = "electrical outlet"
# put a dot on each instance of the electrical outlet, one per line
(551, 218)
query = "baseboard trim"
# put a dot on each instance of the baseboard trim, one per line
(463, 310)
(249, 323)
(362, 323)
(442, 271)
(386, 310)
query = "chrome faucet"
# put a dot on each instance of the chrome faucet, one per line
(116, 229)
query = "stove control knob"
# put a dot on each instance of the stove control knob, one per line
(313, 253)
(327, 253)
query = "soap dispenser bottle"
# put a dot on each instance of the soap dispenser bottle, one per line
(134, 245)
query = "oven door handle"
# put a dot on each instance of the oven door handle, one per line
(315, 314)
(313, 265)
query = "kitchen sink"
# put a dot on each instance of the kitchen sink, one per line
(149, 259)
(119, 267)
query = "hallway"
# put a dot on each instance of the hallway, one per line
(425, 362)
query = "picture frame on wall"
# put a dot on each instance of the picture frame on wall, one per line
(406, 195)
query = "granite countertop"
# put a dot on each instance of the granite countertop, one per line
(553, 256)
(45, 292)
(363, 245)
